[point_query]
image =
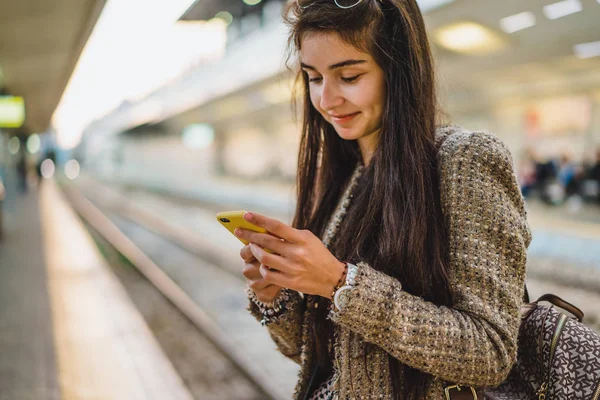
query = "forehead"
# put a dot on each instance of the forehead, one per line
(324, 49)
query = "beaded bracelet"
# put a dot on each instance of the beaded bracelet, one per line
(270, 311)
(341, 281)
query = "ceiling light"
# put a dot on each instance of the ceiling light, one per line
(47, 168)
(14, 144)
(562, 8)
(252, 2)
(34, 143)
(518, 22)
(587, 50)
(198, 136)
(225, 16)
(428, 5)
(72, 169)
(469, 37)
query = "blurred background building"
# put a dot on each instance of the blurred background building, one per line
(529, 73)
(161, 113)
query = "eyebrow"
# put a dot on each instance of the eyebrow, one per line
(346, 63)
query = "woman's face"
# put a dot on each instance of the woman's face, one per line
(346, 86)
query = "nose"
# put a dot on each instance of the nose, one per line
(330, 96)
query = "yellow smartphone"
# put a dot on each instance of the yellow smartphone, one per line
(235, 219)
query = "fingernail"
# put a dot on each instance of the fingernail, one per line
(248, 216)
(237, 232)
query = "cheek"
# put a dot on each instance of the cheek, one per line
(375, 96)
(367, 99)
(380, 103)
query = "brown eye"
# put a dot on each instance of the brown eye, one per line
(316, 80)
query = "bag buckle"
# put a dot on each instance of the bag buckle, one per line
(447, 390)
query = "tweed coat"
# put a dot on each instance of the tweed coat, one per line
(474, 342)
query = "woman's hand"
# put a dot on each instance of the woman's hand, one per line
(300, 261)
(265, 291)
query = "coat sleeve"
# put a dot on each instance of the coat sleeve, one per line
(286, 330)
(475, 341)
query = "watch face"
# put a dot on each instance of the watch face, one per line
(341, 298)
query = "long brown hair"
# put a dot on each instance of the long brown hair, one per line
(395, 220)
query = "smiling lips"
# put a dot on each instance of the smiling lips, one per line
(344, 118)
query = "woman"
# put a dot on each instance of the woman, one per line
(417, 233)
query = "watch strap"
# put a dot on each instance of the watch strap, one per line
(350, 284)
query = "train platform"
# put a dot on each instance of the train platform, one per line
(28, 364)
(68, 329)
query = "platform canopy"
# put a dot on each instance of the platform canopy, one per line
(40, 43)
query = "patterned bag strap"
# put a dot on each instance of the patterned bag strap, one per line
(560, 303)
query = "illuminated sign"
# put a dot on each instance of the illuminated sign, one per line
(12, 111)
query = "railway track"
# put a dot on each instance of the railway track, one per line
(202, 281)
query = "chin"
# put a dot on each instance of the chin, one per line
(349, 134)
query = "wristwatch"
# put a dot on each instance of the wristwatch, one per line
(340, 299)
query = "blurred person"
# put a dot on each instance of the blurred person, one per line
(591, 186)
(526, 172)
(409, 239)
(566, 174)
(594, 171)
(546, 184)
(22, 171)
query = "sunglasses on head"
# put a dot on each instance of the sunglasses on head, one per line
(345, 4)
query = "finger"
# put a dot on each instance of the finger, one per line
(264, 240)
(275, 277)
(273, 261)
(246, 254)
(275, 227)
(252, 271)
